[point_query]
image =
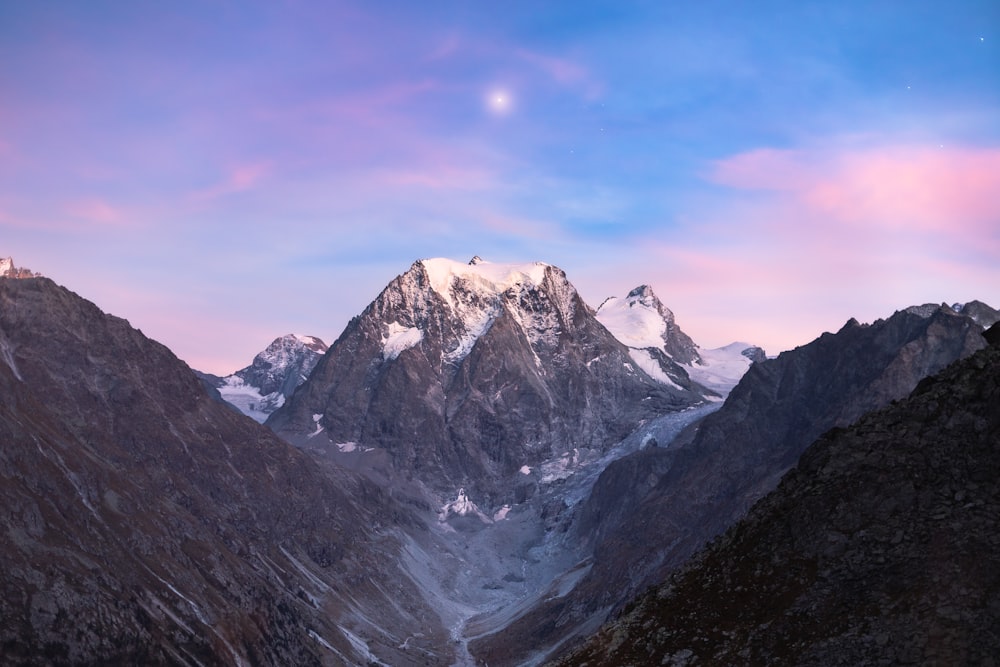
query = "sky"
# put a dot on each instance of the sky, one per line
(223, 172)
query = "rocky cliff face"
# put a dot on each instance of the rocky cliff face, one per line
(8, 270)
(147, 524)
(275, 373)
(650, 511)
(460, 376)
(881, 547)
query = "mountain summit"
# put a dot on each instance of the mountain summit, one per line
(264, 385)
(464, 374)
(659, 347)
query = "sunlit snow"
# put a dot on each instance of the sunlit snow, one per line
(723, 367)
(632, 322)
(645, 360)
(399, 338)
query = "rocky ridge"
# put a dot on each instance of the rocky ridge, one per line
(649, 511)
(146, 524)
(9, 270)
(880, 547)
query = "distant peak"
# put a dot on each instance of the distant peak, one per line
(475, 260)
(8, 270)
(641, 291)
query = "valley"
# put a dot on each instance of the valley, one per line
(481, 470)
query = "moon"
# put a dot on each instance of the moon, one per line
(499, 101)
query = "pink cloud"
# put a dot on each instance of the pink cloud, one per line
(239, 179)
(805, 239)
(96, 210)
(439, 177)
(911, 187)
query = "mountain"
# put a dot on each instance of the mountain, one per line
(651, 510)
(265, 385)
(8, 270)
(147, 524)
(461, 376)
(881, 547)
(641, 321)
(659, 346)
(981, 313)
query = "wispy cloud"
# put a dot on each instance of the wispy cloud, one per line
(564, 72)
(96, 210)
(897, 186)
(240, 178)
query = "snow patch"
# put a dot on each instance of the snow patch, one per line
(361, 648)
(722, 368)
(249, 400)
(461, 506)
(399, 338)
(648, 363)
(501, 513)
(525, 470)
(7, 352)
(632, 322)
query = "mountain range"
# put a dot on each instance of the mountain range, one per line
(881, 546)
(481, 469)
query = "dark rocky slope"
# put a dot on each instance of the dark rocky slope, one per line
(881, 547)
(649, 512)
(144, 523)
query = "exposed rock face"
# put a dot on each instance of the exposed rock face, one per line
(881, 548)
(981, 313)
(265, 385)
(650, 511)
(146, 524)
(463, 374)
(8, 270)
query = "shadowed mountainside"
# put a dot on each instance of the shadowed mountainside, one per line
(145, 523)
(881, 547)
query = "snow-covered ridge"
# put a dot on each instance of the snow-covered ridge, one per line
(489, 277)
(723, 367)
(633, 322)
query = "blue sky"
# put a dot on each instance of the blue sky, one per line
(221, 173)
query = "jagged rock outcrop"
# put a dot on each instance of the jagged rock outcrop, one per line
(459, 375)
(275, 373)
(8, 270)
(146, 524)
(882, 547)
(650, 511)
(981, 313)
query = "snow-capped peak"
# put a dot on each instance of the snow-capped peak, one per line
(637, 320)
(262, 387)
(6, 265)
(489, 277)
